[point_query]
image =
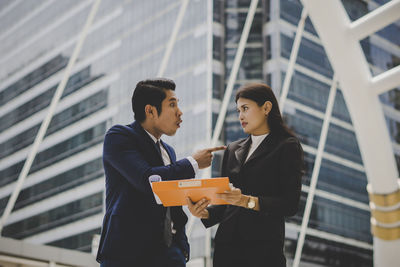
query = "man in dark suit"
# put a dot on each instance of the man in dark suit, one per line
(136, 230)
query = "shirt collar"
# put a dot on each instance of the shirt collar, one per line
(152, 136)
(257, 139)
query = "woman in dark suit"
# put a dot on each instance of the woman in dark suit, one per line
(265, 171)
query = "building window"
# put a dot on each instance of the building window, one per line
(33, 78)
(343, 143)
(336, 218)
(81, 242)
(311, 55)
(218, 48)
(66, 117)
(218, 10)
(58, 152)
(40, 102)
(50, 219)
(60, 183)
(290, 10)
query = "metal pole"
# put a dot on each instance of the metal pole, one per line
(315, 173)
(222, 113)
(292, 59)
(229, 87)
(46, 121)
(375, 20)
(234, 71)
(332, 23)
(207, 244)
(385, 81)
(172, 39)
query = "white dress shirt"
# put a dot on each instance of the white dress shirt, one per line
(255, 142)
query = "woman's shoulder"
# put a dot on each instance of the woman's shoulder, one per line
(290, 140)
(290, 143)
(237, 143)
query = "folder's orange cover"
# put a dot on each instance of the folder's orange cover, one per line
(174, 193)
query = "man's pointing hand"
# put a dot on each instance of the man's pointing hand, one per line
(204, 156)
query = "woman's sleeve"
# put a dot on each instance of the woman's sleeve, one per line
(215, 215)
(290, 173)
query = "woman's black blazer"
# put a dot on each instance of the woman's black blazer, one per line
(273, 174)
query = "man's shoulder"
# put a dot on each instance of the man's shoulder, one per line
(119, 130)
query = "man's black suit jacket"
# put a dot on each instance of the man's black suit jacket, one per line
(133, 223)
(273, 174)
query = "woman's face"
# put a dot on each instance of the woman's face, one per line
(252, 117)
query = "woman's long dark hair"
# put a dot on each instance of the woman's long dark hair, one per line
(259, 93)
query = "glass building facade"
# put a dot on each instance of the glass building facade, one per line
(61, 203)
(339, 226)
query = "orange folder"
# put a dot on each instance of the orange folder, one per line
(174, 193)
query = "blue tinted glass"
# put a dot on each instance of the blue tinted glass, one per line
(47, 220)
(336, 218)
(343, 143)
(310, 55)
(306, 127)
(343, 181)
(290, 10)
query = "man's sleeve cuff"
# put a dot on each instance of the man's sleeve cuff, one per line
(195, 165)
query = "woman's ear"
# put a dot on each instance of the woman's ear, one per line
(267, 107)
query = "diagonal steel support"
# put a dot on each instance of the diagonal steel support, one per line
(229, 87)
(375, 20)
(343, 49)
(292, 60)
(49, 116)
(172, 39)
(234, 72)
(386, 81)
(315, 172)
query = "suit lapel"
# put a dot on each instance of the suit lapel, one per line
(147, 141)
(241, 152)
(266, 147)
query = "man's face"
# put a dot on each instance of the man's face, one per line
(170, 119)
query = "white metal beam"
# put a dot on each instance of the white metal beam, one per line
(348, 60)
(386, 81)
(9, 7)
(229, 87)
(27, 254)
(376, 20)
(172, 39)
(234, 71)
(343, 49)
(292, 59)
(315, 172)
(209, 89)
(27, 262)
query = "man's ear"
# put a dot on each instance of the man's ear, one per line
(149, 111)
(267, 107)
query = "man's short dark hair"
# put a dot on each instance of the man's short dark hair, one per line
(150, 92)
